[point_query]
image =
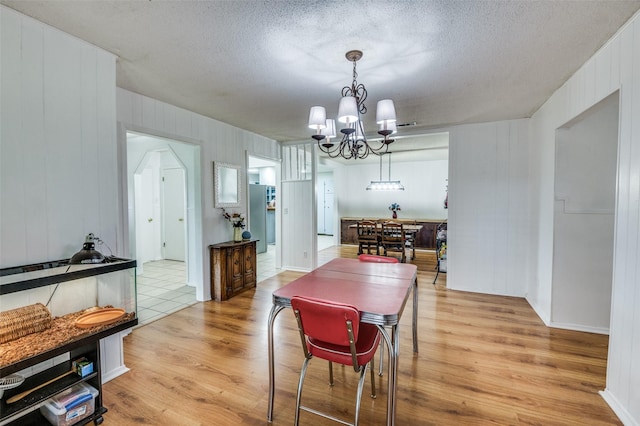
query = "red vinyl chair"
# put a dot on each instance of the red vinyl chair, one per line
(378, 259)
(333, 331)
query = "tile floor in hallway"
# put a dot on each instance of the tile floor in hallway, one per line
(162, 290)
(162, 287)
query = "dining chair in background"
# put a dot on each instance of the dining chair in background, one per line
(368, 236)
(410, 239)
(441, 249)
(392, 239)
(333, 331)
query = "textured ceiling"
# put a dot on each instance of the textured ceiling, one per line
(260, 65)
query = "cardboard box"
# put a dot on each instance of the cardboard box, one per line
(83, 367)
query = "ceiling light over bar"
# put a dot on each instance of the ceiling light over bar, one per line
(385, 185)
(354, 143)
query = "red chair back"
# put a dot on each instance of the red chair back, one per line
(377, 259)
(325, 321)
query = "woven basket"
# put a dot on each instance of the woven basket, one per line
(19, 322)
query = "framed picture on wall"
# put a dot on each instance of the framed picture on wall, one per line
(226, 185)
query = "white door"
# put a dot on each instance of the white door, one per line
(145, 225)
(174, 224)
(328, 213)
(325, 207)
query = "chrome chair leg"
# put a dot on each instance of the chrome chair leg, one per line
(359, 396)
(303, 372)
(373, 379)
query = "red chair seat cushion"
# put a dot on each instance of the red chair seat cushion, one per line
(366, 345)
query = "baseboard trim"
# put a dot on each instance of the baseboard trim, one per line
(618, 409)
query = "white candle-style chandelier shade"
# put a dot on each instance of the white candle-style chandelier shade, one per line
(348, 110)
(353, 143)
(385, 112)
(317, 118)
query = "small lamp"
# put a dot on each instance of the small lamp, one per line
(88, 254)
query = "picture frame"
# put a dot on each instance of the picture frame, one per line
(227, 187)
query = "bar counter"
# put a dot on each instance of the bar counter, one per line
(425, 239)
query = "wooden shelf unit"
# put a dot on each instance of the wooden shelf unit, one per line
(32, 277)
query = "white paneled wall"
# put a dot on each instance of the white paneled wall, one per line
(298, 220)
(488, 209)
(58, 163)
(615, 67)
(217, 141)
(57, 142)
(425, 185)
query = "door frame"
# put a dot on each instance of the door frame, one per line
(196, 258)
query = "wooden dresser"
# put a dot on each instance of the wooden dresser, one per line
(233, 268)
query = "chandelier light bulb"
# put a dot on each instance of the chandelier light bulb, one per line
(330, 130)
(359, 133)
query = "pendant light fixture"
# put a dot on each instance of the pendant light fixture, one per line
(353, 143)
(385, 185)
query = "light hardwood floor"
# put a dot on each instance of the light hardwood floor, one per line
(483, 360)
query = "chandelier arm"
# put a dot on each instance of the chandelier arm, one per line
(361, 95)
(334, 151)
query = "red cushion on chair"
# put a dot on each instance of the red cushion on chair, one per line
(324, 324)
(366, 346)
(377, 259)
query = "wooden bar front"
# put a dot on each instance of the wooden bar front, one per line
(425, 239)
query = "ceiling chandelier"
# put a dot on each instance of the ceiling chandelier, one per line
(354, 143)
(385, 185)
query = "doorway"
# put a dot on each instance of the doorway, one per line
(161, 218)
(159, 187)
(262, 188)
(584, 214)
